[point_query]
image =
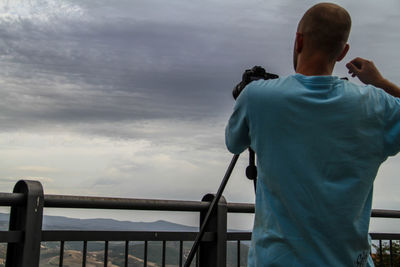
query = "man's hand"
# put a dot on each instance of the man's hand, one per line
(366, 71)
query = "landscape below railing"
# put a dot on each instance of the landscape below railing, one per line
(26, 237)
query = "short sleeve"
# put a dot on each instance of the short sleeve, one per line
(392, 125)
(237, 131)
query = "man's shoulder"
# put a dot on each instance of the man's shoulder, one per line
(369, 91)
(267, 86)
(371, 98)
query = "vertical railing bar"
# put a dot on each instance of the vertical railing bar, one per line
(84, 253)
(27, 218)
(105, 253)
(126, 252)
(164, 243)
(212, 253)
(380, 252)
(180, 253)
(60, 263)
(145, 253)
(238, 253)
(391, 252)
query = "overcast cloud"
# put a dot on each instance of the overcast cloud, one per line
(130, 98)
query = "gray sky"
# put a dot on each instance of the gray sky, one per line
(130, 98)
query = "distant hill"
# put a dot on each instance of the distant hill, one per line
(59, 222)
(99, 224)
(65, 223)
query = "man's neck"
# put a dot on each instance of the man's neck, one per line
(314, 65)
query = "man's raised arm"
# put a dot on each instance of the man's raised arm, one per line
(366, 71)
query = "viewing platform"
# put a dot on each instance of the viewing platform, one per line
(25, 236)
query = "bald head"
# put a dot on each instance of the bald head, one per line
(326, 28)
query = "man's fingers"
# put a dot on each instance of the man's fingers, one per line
(365, 70)
(352, 68)
(358, 61)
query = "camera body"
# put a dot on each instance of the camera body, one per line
(253, 74)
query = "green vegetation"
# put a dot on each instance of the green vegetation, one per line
(385, 261)
(3, 251)
(49, 256)
(116, 251)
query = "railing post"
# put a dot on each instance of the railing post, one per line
(213, 254)
(28, 219)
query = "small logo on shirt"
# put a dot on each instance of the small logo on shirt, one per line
(362, 259)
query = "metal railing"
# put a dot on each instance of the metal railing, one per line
(26, 234)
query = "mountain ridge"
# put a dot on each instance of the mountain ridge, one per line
(51, 222)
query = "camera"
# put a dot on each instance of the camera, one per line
(253, 74)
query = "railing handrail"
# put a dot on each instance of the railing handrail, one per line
(384, 213)
(67, 201)
(93, 202)
(12, 199)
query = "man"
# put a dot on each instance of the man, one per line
(319, 142)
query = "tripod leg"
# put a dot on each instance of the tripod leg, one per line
(212, 207)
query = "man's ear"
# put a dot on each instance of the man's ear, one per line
(344, 52)
(299, 42)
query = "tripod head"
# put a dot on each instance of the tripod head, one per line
(253, 74)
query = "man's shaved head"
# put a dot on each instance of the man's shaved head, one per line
(326, 28)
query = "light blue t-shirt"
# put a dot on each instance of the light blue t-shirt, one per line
(319, 142)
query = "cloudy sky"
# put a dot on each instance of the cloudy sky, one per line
(130, 98)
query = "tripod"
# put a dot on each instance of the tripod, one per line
(251, 173)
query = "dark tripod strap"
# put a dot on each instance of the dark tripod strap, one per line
(211, 209)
